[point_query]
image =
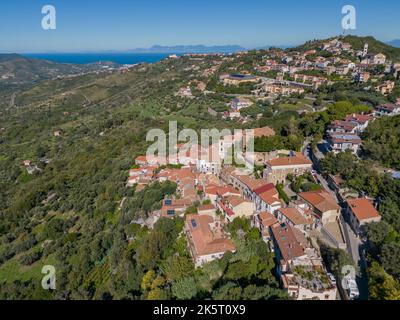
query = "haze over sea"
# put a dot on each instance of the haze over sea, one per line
(83, 58)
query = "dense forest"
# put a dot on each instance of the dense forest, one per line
(382, 142)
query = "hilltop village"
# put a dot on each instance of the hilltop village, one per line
(312, 213)
(294, 207)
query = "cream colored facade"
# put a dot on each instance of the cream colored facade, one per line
(278, 174)
(235, 82)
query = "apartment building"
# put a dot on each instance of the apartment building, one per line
(235, 207)
(322, 204)
(341, 142)
(361, 212)
(277, 169)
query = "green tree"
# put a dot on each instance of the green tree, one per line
(390, 257)
(184, 289)
(381, 285)
(177, 267)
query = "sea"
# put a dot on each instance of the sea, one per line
(84, 58)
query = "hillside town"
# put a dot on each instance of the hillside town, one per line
(293, 224)
(296, 199)
(278, 74)
(292, 229)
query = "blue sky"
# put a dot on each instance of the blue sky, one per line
(97, 25)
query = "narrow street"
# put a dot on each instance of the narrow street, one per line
(354, 248)
(353, 243)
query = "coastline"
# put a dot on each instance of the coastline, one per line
(87, 58)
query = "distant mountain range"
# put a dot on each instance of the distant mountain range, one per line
(394, 43)
(182, 49)
(16, 69)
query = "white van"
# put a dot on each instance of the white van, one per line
(351, 288)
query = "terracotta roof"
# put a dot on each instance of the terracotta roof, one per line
(297, 159)
(271, 196)
(177, 174)
(206, 240)
(267, 219)
(206, 207)
(264, 188)
(225, 209)
(263, 132)
(251, 183)
(294, 216)
(234, 201)
(359, 118)
(363, 209)
(141, 158)
(346, 125)
(190, 194)
(221, 191)
(300, 237)
(321, 200)
(176, 204)
(286, 240)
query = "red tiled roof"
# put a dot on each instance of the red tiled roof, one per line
(235, 200)
(271, 196)
(294, 216)
(224, 208)
(363, 209)
(206, 207)
(321, 200)
(141, 158)
(204, 239)
(221, 191)
(251, 183)
(359, 118)
(298, 159)
(267, 219)
(286, 240)
(346, 125)
(264, 188)
(263, 132)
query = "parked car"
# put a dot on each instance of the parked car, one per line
(332, 278)
(350, 285)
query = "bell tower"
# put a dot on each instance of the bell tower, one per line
(365, 51)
